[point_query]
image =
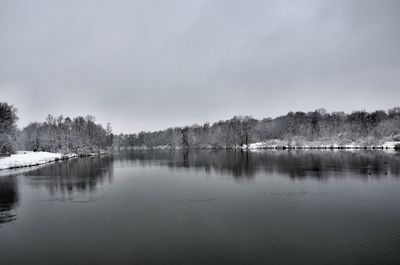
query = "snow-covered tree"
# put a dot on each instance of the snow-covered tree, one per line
(8, 128)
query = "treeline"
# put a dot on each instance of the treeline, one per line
(293, 129)
(80, 135)
(83, 135)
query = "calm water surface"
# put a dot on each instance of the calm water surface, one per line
(205, 207)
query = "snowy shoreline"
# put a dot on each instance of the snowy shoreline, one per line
(23, 159)
(277, 146)
(390, 145)
(30, 159)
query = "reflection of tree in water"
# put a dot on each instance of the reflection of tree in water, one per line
(322, 164)
(295, 164)
(234, 163)
(82, 174)
(8, 199)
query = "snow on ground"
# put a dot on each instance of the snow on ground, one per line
(391, 144)
(280, 143)
(27, 159)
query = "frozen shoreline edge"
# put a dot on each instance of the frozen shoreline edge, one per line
(264, 147)
(33, 159)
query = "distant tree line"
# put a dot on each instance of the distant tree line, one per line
(81, 135)
(294, 128)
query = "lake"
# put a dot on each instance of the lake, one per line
(205, 207)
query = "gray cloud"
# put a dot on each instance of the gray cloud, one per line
(146, 65)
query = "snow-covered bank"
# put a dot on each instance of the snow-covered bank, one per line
(279, 144)
(282, 145)
(29, 159)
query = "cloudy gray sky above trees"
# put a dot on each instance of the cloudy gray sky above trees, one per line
(148, 65)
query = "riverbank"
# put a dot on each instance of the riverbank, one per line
(389, 145)
(29, 159)
(283, 145)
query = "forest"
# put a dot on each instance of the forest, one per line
(314, 128)
(82, 135)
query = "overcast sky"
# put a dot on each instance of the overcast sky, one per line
(149, 65)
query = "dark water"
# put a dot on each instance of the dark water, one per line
(205, 207)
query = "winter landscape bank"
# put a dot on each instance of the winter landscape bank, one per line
(295, 130)
(23, 159)
(28, 159)
(62, 138)
(55, 139)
